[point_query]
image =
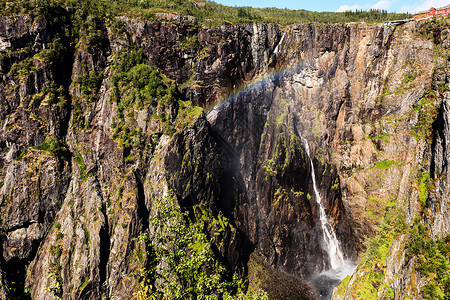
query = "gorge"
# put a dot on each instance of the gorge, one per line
(160, 158)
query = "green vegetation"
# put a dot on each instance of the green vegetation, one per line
(205, 12)
(433, 28)
(381, 136)
(341, 287)
(137, 84)
(427, 114)
(190, 268)
(27, 59)
(187, 114)
(22, 154)
(431, 257)
(283, 152)
(370, 281)
(384, 164)
(189, 41)
(91, 29)
(392, 224)
(78, 158)
(23, 67)
(143, 84)
(423, 186)
(408, 77)
(54, 147)
(90, 83)
(54, 273)
(55, 50)
(432, 260)
(81, 288)
(55, 95)
(120, 192)
(425, 101)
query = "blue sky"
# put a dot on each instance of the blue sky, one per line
(329, 5)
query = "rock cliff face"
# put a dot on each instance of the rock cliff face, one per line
(88, 147)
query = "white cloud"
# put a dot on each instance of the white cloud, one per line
(383, 4)
(426, 5)
(344, 8)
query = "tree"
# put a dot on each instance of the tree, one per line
(184, 264)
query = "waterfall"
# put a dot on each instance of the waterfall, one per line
(278, 47)
(329, 236)
(340, 267)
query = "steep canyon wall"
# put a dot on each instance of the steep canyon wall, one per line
(86, 155)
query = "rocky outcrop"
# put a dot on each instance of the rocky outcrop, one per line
(206, 62)
(402, 274)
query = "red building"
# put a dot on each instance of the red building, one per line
(433, 12)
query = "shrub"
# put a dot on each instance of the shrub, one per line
(189, 267)
(54, 147)
(90, 83)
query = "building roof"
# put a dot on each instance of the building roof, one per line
(427, 11)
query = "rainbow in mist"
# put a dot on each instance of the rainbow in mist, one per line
(261, 82)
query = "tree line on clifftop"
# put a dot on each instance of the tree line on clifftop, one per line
(206, 13)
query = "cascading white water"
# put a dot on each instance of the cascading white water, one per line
(340, 267)
(329, 236)
(278, 47)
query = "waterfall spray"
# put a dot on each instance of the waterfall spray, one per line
(340, 268)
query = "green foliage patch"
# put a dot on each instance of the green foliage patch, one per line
(427, 114)
(184, 265)
(90, 83)
(384, 164)
(433, 28)
(433, 260)
(55, 94)
(54, 147)
(423, 187)
(78, 158)
(409, 77)
(372, 268)
(23, 67)
(136, 82)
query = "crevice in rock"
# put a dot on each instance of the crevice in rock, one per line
(143, 212)
(25, 224)
(187, 201)
(105, 245)
(15, 272)
(438, 127)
